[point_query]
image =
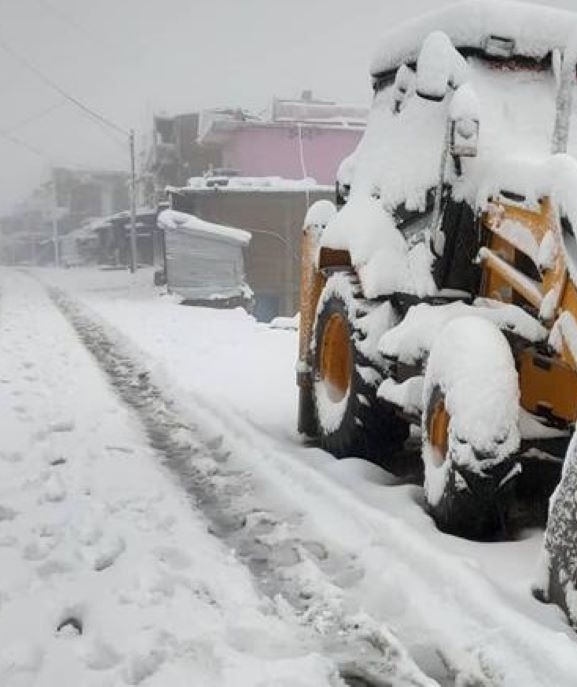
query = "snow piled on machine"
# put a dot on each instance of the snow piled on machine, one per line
(483, 408)
(385, 261)
(535, 30)
(508, 110)
(412, 339)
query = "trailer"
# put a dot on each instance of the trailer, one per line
(203, 261)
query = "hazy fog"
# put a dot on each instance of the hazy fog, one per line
(130, 58)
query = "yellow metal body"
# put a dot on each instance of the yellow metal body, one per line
(511, 273)
(313, 262)
(312, 283)
(438, 430)
(336, 361)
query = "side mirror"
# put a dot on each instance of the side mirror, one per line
(464, 137)
(439, 67)
(464, 115)
(403, 88)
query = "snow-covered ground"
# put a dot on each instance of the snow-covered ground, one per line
(108, 574)
(349, 541)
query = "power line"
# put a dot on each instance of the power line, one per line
(46, 157)
(48, 81)
(97, 118)
(64, 17)
(34, 118)
(71, 22)
(19, 142)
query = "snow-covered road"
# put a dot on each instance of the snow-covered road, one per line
(340, 551)
(108, 573)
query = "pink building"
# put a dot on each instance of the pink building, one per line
(302, 138)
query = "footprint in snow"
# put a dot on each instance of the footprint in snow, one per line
(43, 543)
(215, 443)
(8, 542)
(62, 426)
(99, 655)
(56, 461)
(143, 662)
(152, 586)
(105, 552)
(20, 658)
(54, 490)
(70, 626)
(174, 558)
(11, 456)
(7, 513)
(284, 554)
(316, 549)
(54, 567)
(260, 522)
(88, 531)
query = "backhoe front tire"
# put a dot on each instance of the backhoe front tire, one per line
(351, 420)
(469, 429)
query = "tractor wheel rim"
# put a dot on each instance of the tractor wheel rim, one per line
(336, 359)
(439, 432)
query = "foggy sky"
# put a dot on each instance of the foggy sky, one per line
(130, 58)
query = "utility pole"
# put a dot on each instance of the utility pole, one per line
(54, 213)
(133, 253)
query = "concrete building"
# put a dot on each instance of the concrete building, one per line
(175, 155)
(68, 200)
(299, 138)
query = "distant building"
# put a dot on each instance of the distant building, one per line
(113, 232)
(175, 155)
(65, 203)
(295, 139)
(300, 138)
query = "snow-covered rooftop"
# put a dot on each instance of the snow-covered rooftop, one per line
(536, 30)
(260, 184)
(171, 219)
(318, 111)
(216, 125)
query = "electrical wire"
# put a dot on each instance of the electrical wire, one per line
(34, 118)
(19, 142)
(46, 157)
(69, 20)
(303, 163)
(48, 81)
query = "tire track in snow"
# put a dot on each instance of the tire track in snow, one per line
(283, 564)
(444, 607)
